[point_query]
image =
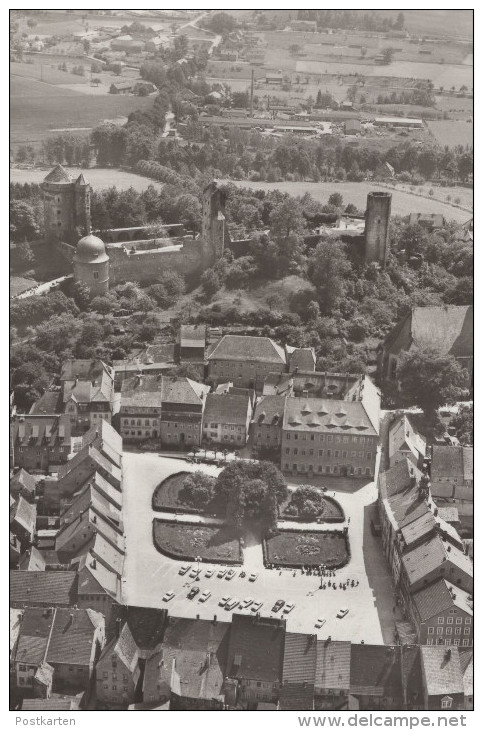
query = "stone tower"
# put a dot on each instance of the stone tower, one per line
(91, 264)
(67, 211)
(378, 213)
(214, 231)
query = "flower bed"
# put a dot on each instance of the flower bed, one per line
(184, 541)
(292, 548)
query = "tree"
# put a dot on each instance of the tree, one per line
(328, 267)
(23, 255)
(463, 423)
(295, 49)
(24, 222)
(252, 491)
(430, 380)
(286, 218)
(210, 282)
(198, 490)
(308, 501)
(336, 200)
(387, 55)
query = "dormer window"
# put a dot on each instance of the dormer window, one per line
(446, 703)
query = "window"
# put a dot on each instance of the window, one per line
(439, 630)
(287, 451)
(457, 630)
(296, 436)
(459, 620)
(96, 274)
(429, 642)
(22, 668)
(114, 688)
(430, 629)
(344, 454)
(446, 703)
(336, 453)
(449, 629)
(466, 642)
(288, 437)
(368, 472)
(321, 452)
(467, 631)
(329, 453)
(441, 619)
(456, 642)
(449, 620)
(295, 451)
(467, 620)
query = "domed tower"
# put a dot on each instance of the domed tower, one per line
(91, 264)
(66, 206)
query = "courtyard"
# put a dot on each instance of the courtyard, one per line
(148, 574)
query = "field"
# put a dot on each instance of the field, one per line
(183, 541)
(100, 179)
(57, 22)
(452, 133)
(403, 203)
(307, 548)
(37, 108)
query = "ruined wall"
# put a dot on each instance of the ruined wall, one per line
(189, 258)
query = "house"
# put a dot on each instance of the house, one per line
(23, 483)
(452, 472)
(323, 436)
(121, 87)
(49, 402)
(192, 343)
(405, 442)
(140, 410)
(447, 330)
(443, 614)
(255, 659)
(99, 586)
(466, 661)
(245, 361)
(43, 588)
(275, 78)
(32, 560)
(375, 678)
(404, 122)
(332, 674)
(127, 43)
(430, 221)
(83, 466)
(226, 419)
(87, 393)
(23, 516)
(442, 678)
(118, 673)
(432, 559)
(299, 670)
(300, 358)
(384, 171)
(39, 443)
(56, 649)
(182, 405)
(267, 420)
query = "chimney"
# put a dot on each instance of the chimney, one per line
(447, 654)
(214, 620)
(94, 564)
(118, 627)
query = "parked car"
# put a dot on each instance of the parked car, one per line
(231, 574)
(231, 604)
(193, 592)
(252, 577)
(222, 572)
(256, 606)
(278, 605)
(204, 596)
(289, 607)
(195, 572)
(342, 612)
(224, 600)
(184, 569)
(247, 602)
(209, 573)
(168, 596)
(319, 623)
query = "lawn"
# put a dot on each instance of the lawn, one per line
(307, 548)
(403, 203)
(166, 497)
(182, 541)
(99, 178)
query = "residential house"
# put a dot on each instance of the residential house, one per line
(442, 678)
(446, 329)
(300, 358)
(40, 443)
(443, 614)
(266, 429)
(99, 586)
(49, 402)
(466, 661)
(375, 678)
(192, 343)
(140, 411)
(255, 658)
(432, 559)
(118, 673)
(32, 560)
(23, 516)
(226, 419)
(299, 672)
(87, 393)
(43, 589)
(82, 467)
(452, 480)
(182, 405)
(23, 483)
(324, 436)
(405, 442)
(430, 221)
(332, 675)
(245, 361)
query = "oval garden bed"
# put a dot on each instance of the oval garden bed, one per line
(294, 549)
(211, 543)
(166, 497)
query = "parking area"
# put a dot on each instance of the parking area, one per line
(148, 575)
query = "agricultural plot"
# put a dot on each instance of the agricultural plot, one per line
(452, 132)
(184, 541)
(307, 548)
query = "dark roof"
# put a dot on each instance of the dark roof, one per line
(22, 480)
(146, 625)
(453, 462)
(441, 668)
(58, 175)
(375, 670)
(299, 658)
(182, 390)
(447, 329)
(247, 349)
(192, 335)
(411, 669)
(32, 560)
(399, 491)
(432, 554)
(256, 648)
(436, 598)
(54, 588)
(333, 664)
(72, 637)
(269, 410)
(226, 409)
(24, 514)
(418, 528)
(33, 635)
(125, 649)
(41, 430)
(303, 358)
(319, 415)
(48, 403)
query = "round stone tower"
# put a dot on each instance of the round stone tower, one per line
(378, 213)
(66, 206)
(91, 264)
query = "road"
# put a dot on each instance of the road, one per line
(148, 574)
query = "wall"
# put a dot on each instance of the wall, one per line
(189, 258)
(312, 453)
(242, 374)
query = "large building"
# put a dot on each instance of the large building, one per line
(245, 361)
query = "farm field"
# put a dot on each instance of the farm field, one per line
(37, 108)
(452, 132)
(212, 543)
(99, 178)
(403, 203)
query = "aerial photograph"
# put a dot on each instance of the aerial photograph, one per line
(241, 361)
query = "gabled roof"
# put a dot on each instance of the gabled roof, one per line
(375, 670)
(415, 530)
(58, 175)
(105, 439)
(331, 416)
(248, 349)
(33, 635)
(400, 494)
(302, 358)
(333, 665)
(141, 391)
(124, 648)
(269, 410)
(256, 648)
(192, 335)
(446, 329)
(432, 554)
(441, 669)
(452, 462)
(52, 587)
(438, 597)
(403, 437)
(22, 480)
(90, 370)
(73, 635)
(466, 661)
(32, 560)
(95, 578)
(48, 403)
(182, 390)
(24, 514)
(299, 658)
(39, 430)
(226, 409)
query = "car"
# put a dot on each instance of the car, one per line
(184, 569)
(252, 577)
(204, 596)
(209, 573)
(278, 605)
(195, 572)
(231, 604)
(247, 602)
(289, 607)
(255, 607)
(193, 592)
(224, 600)
(222, 572)
(319, 623)
(168, 596)
(231, 574)
(342, 612)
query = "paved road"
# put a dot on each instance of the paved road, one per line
(148, 574)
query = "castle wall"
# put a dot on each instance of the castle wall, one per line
(142, 266)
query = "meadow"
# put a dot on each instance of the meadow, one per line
(452, 133)
(99, 178)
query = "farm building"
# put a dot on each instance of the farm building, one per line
(398, 122)
(274, 78)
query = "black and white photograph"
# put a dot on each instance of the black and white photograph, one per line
(241, 364)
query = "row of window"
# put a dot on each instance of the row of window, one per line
(337, 439)
(223, 425)
(449, 619)
(327, 469)
(39, 451)
(335, 453)
(449, 630)
(138, 422)
(451, 642)
(125, 677)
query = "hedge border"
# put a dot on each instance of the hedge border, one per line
(182, 508)
(173, 556)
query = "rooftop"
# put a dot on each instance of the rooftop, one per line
(441, 596)
(256, 648)
(333, 665)
(319, 415)
(441, 670)
(452, 462)
(248, 349)
(57, 588)
(226, 409)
